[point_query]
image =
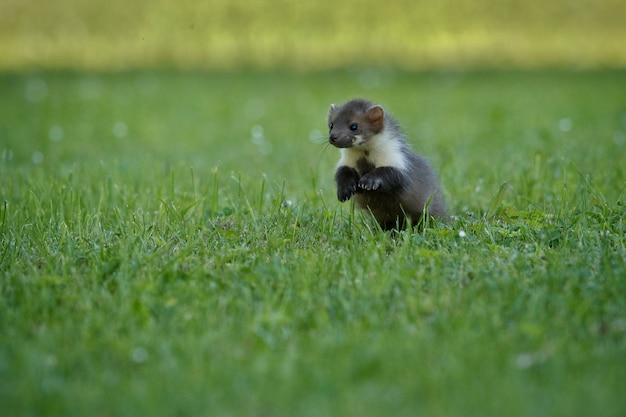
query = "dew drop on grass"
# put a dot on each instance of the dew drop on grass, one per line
(120, 130)
(7, 155)
(257, 134)
(565, 125)
(524, 361)
(139, 355)
(462, 233)
(258, 138)
(55, 133)
(37, 157)
(51, 361)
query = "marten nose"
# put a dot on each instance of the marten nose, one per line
(332, 138)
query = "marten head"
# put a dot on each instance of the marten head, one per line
(354, 123)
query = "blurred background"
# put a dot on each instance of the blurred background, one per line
(117, 35)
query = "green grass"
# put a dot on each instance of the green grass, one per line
(171, 244)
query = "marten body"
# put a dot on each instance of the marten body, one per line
(378, 168)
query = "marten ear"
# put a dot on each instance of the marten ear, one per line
(376, 117)
(333, 108)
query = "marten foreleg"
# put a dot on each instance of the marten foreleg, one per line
(346, 179)
(382, 178)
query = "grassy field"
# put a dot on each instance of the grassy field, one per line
(171, 244)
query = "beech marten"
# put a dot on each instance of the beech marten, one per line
(378, 167)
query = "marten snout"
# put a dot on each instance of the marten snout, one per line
(344, 141)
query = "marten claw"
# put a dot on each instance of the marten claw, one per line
(344, 193)
(370, 183)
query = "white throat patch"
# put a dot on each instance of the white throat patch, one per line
(383, 150)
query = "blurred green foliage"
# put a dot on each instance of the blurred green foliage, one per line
(224, 34)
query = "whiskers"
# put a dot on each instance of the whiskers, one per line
(317, 136)
(320, 139)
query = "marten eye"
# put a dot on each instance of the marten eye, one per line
(330, 126)
(354, 127)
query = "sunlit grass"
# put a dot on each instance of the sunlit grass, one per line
(115, 35)
(171, 243)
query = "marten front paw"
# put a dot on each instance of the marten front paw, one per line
(346, 191)
(370, 182)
